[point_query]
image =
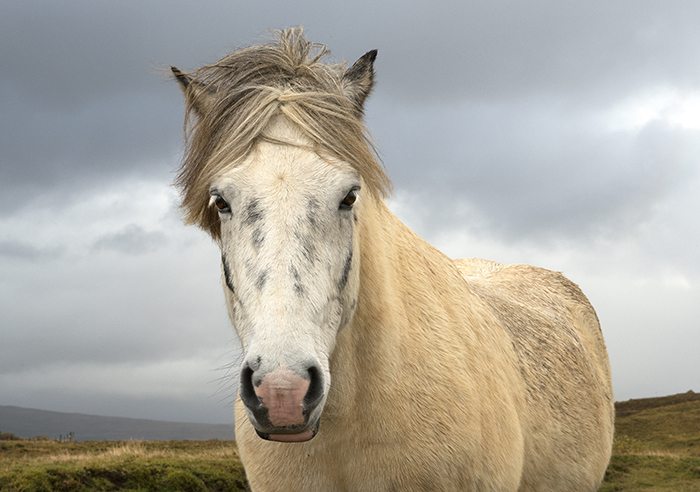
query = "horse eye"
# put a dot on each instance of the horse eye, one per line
(349, 200)
(221, 204)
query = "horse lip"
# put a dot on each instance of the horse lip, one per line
(300, 437)
(290, 435)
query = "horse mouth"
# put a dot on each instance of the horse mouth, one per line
(303, 436)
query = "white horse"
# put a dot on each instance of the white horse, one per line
(392, 367)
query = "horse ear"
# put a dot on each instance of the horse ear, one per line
(358, 80)
(200, 99)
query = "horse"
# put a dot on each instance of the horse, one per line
(372, 361)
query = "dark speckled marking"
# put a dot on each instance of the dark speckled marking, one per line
(346, 272)
(298, 286)
(255, 364)
(311, 210)
(253, 212)
(260, 282)
(227, 273)
(307, 247)
(258, 238)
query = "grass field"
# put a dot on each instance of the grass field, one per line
(43, 465)
(657, 445)
(657, 448)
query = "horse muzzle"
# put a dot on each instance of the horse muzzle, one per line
(283, 405)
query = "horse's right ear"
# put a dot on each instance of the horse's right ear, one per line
(198, 98)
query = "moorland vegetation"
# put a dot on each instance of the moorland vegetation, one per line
(657, 448)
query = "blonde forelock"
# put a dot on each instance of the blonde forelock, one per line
(231, 102)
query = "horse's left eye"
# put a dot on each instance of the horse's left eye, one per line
(349, 200)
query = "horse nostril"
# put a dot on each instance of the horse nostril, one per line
(246, 389)
(314, 394)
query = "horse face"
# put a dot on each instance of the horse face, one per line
(290, 273)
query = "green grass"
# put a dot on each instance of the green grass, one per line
(657, 449)
(637, 472)
(41, 465)
(657, 445)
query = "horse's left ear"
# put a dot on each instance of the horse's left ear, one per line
(197, 97)
(358, 80)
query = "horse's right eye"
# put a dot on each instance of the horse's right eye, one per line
(221, 204)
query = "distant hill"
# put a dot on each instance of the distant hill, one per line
(657, 444)
(631, 407)
(669, 423)
(27, 422)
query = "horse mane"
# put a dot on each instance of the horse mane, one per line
(231, 102)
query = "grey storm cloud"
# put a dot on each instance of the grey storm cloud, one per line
(82, 99)
(495, 120)
(132, 240)
(531, 170)
(19, 250)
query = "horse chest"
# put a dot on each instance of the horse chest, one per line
(355, 467)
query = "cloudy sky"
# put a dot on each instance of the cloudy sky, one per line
(561, 134)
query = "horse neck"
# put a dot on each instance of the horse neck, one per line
(400, 274)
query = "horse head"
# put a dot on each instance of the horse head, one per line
(271, 171)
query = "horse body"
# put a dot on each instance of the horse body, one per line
(432, 391)
(568, 417)
(390, 366)
(425, 392)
